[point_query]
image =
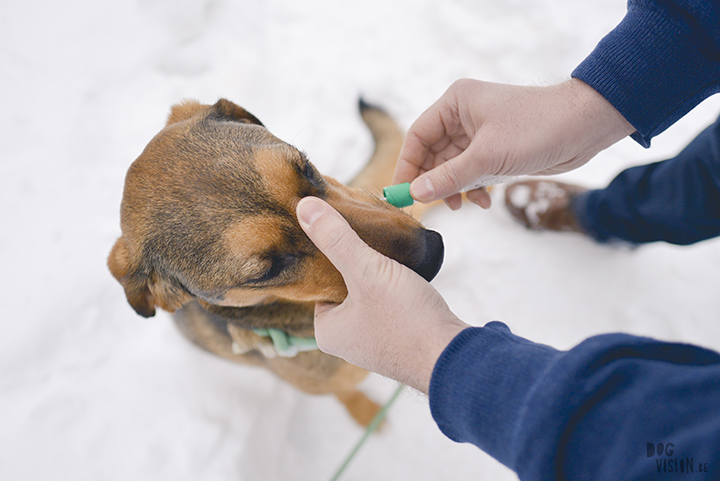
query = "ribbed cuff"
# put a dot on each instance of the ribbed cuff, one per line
(480, 385)
(652, 69)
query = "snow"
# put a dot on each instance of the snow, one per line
(520, 196)
(89, 390)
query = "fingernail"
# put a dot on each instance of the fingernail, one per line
(309, 210)
(482, 202)
(423, 189)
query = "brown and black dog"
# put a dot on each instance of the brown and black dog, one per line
(209, 232)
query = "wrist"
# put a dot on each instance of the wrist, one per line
(429, 345)
(593, 113)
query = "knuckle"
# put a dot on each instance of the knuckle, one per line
(449, 177)
(335, 240)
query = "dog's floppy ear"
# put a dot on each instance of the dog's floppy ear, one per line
(144, 290)
(226, 110)
(136, 287)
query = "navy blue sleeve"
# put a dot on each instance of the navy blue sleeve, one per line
(659, 63)
(592, 413)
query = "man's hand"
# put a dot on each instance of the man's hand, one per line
(392, 322)
(478, 128)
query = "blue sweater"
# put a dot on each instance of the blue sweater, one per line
(661, 61)
(616, 406)
(591, 413)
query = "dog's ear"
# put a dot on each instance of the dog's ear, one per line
(222, 110)
(144, 290)
(184, 110)
(226, 110)
(136, 288)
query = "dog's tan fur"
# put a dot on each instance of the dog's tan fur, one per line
(209, 233)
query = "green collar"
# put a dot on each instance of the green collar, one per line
(287, 345)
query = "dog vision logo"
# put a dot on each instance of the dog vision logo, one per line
(667, 462)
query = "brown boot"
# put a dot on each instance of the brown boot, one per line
(544, 205)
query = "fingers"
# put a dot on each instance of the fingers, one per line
(428, 134)
(331, 233)
(447, 148)
(447, 178)
(337, 325)
(454, 201)
(412, 156)
(329, 334)
(480, 197)
(416, 153)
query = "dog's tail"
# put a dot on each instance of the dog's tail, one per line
(388, 137)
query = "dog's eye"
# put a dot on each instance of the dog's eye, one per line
(279, 264)
(311, 174)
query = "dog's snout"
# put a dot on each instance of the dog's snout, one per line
(430, 262)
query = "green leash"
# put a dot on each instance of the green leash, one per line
(368, 431)
(399, 196)
(290, 346)
(287, 345)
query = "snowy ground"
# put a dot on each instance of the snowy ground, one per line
(90, 391)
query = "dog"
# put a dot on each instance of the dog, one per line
(210, 234)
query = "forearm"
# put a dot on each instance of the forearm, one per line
(590, 121)
(585, 413)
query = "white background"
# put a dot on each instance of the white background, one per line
(91, 391)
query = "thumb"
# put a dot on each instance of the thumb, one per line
(451, 176)
(332, 234)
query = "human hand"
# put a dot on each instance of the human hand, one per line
(478, 128)
(392, 321)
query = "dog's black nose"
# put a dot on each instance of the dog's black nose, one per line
(430, 263)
